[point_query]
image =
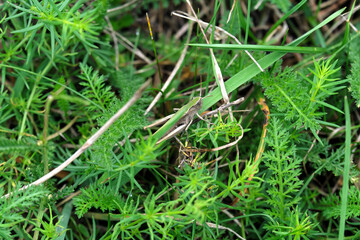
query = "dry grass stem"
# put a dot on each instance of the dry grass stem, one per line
(231, 216)
(172, 75)
(231, 10)
(217, 226)
(91, 140)
(115, 40)
(64, 129)
(185, 27)
(121, 7)
(131, 47)
(219, 77)
(223, 107)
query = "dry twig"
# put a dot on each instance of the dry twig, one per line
(116, 47)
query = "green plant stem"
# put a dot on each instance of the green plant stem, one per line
(17, 47)
(45, 132)
(39, 217)
(45, 161)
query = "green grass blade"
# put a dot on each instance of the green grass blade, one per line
(345, 189)
(328, 124)
(64, 220)
(329, 106)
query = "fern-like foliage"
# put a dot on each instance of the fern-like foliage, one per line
(133, 119)
(11, 209)
(95, 90)
(354, 77)
(323, 158)
(331, 205)
(301, 99)
(134, 158)
(96, 196)
(12, 150)
(284, 170)
(126, 165)
(11, 146)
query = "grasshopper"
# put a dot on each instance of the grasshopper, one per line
(178, 122)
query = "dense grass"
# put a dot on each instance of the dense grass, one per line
(277, 159)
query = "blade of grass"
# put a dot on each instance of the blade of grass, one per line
(252, 70)
(346, 173)
(64, 220)
(154, 48)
